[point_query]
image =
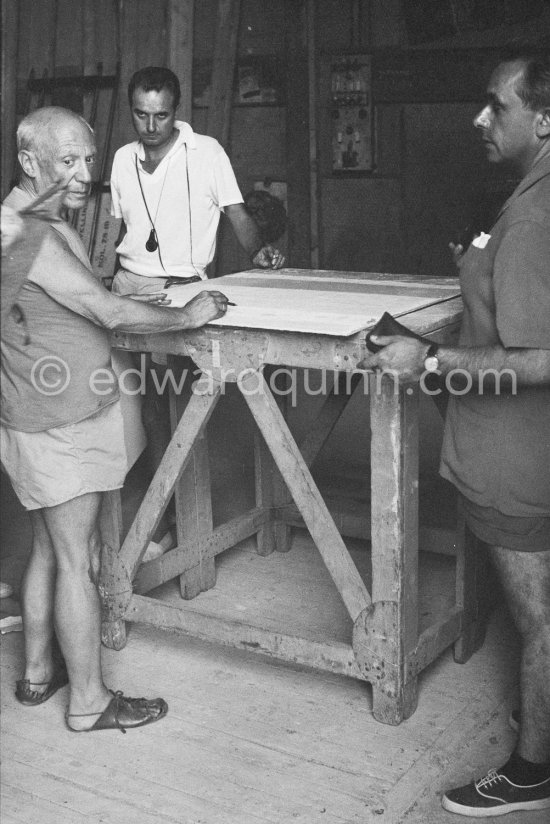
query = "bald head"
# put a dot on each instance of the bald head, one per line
(37, 131)
(56, 146)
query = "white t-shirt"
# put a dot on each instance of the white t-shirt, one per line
(212, 186)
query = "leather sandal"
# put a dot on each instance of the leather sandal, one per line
(30, 697)
(122, 713)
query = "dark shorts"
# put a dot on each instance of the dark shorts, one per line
(508, 531)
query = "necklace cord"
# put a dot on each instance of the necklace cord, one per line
(158, 205)
(147, 210)
(189, 202)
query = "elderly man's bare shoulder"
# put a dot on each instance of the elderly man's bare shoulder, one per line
(56, 262)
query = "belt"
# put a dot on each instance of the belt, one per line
(175, 281)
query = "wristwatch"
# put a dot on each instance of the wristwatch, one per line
(431, 361)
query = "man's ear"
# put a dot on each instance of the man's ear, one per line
(543, 123)
(28, 162)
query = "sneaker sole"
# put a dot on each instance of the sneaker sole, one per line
(489, 812)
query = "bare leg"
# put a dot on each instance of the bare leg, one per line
(73, 530)
(525, 579)
(37, 594)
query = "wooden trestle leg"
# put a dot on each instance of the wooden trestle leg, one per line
(193, 504)
(273, 492)
(387, 633)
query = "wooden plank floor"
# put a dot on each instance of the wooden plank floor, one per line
(251, 741)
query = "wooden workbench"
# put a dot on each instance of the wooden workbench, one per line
(386, 647)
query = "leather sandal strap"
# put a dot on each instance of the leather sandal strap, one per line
(82, 714)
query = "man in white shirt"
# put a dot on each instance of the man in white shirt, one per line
(170, 187)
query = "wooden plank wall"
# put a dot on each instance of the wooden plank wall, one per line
(70, 37)
(399, 217)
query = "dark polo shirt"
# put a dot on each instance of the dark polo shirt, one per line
(496, 448)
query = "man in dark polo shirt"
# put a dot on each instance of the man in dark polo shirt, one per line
(496, 447)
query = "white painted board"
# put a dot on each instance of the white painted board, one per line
(313, 303)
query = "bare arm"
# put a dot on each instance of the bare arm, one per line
(405, 357)
(263, 255)
(61, 275)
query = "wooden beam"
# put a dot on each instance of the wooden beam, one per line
(179, 57)
(297, 136)
(10, 30)
(394, 541)
(314, 182)
(187, 554)
(353, 519)
(333, 656)
(223, 70)
(433, 641)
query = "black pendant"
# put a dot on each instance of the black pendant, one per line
(152, 244)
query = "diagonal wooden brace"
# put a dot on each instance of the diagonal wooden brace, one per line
(155, 501)
(302, 487)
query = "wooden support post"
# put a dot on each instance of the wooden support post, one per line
(223, 70)
(180, 51)
(297, 136)
(388, 632)
(10, 28)
(315, 196)
(194, 518)
(113, 632)
(280, 380)
(264, 470)
(306, 495)
(192, 496)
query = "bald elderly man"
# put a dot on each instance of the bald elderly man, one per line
(62, 441)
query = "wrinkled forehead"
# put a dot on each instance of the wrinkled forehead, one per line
(68, 136)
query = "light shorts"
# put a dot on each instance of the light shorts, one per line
(126, 283)
(50, 467)
(508, 531)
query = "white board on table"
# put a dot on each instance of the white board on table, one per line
(311, 303)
